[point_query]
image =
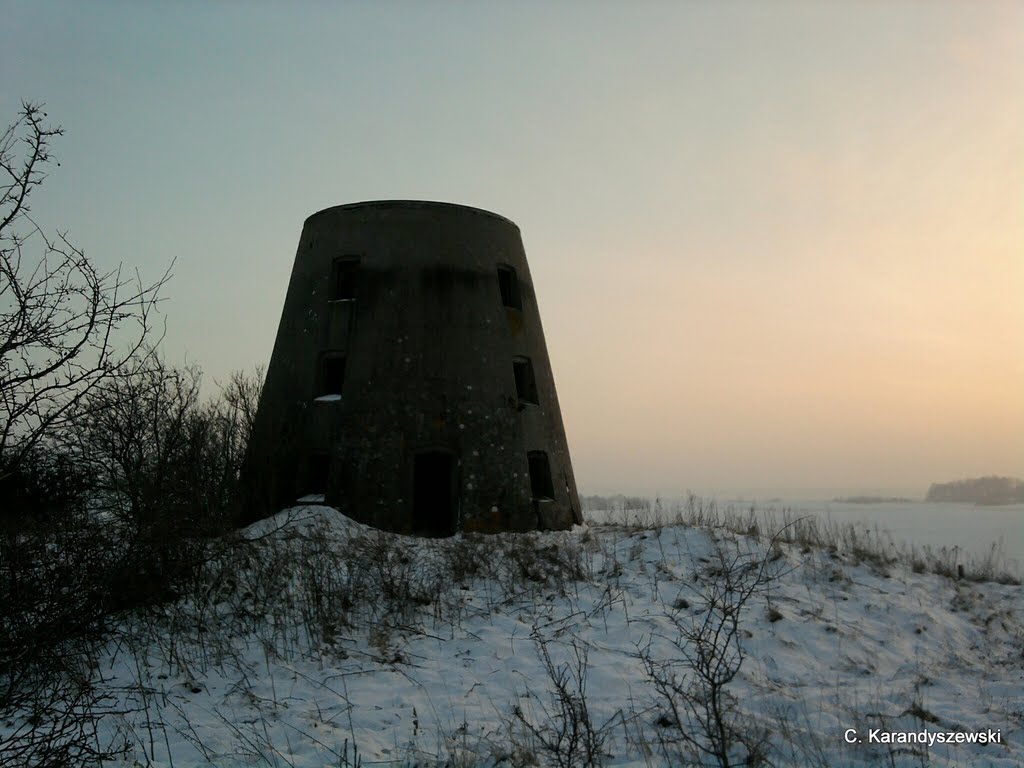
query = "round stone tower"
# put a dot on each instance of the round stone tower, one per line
(410, 385)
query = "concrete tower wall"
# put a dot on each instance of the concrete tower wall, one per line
(401, 306)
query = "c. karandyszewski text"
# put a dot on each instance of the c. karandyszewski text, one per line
(931, 738)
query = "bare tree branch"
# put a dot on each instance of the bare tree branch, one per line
(65, 326)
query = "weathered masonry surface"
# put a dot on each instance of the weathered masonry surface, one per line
(410, 384)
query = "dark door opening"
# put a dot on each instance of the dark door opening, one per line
(433, 506)
(317, 473)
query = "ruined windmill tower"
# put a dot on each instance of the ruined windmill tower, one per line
(410, 384)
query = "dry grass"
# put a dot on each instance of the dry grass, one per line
(849, 542)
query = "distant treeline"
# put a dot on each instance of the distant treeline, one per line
(615, 503)
(979, 490)
(871, 499)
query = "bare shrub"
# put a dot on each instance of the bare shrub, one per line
(526, 564)
(163, 469)
(328, 590)
(67, 329)
(54, 719)
(563, 730)
(53, 587)
(467, 555)
(701, 718)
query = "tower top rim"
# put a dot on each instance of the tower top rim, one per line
(412, 205)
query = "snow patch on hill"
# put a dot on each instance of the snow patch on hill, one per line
(330, 642)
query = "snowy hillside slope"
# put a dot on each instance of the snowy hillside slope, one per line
(323, 642)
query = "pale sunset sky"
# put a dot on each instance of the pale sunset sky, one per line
(778, 247)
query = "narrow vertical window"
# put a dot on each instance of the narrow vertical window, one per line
(343, 279)
(540, 476)
(526, 384)
(508, 283)
(332, 375)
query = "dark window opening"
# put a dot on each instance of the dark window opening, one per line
(509, 285)
(526, 384)
(332, 375)
(343, 279)
(317, 472)
(540, 476)
(433, 505)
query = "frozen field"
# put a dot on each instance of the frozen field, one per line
(974, 529)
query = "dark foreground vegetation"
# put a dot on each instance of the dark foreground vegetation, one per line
(113, 470)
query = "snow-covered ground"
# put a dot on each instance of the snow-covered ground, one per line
(978, 532)
(332, 644)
